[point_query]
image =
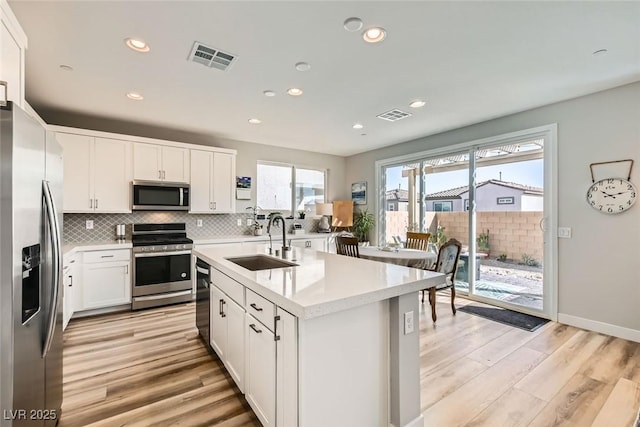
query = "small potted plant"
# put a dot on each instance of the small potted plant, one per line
(363, 222)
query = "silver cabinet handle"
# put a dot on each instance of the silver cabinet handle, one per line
(164, 174)
(253, 326)
(126, 269)
(159, 174)
(276, 337)
(220, 307)
(90, 203)
(106, 256)
(211, 205)
(70, 281)
(214, 206)
(96, 203)
(255, 307)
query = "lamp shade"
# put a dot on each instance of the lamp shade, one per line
(324, 209)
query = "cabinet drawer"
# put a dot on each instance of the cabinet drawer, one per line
(261, 309)
(107, 256)
(229, 286)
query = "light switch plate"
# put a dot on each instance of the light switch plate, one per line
(89, 224)
(564, 232)
(198, 223)
(239, 222)
(249, 222)
(408, 322)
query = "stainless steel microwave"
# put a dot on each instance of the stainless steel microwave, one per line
(159, 196)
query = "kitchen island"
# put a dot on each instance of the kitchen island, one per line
(332, 340)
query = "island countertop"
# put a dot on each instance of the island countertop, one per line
(322, 283)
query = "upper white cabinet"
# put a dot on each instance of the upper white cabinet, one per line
(212, 182)
(153, 162)
(13, 43)
(97, 174)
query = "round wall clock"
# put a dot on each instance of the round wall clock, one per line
(612, 195)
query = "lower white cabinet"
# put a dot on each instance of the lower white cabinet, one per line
(318, 244)
(260, 386)
(106, 278)
(226, 330)
(70, 281)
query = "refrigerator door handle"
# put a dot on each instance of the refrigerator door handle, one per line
(54, 232)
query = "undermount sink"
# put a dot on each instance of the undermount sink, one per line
(260, 262)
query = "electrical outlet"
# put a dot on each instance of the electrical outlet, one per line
(198, 223)
(89, 224)
(564, 232)
(249, 222)
(408, 322)
(239, 222)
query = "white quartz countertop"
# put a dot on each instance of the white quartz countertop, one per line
(322, 283)
(276, 237)
(100, 245)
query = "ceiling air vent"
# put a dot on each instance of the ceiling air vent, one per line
(393, 115)
(211, 57)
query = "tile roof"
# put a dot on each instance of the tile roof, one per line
(457, 191)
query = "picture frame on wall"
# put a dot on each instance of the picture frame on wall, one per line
(359, 192)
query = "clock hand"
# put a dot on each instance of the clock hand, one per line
(607, 194)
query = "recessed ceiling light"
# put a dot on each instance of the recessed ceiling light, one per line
(269, 93)
(294, 91)
(66, 67)
(374, 34)
(135, 96)
(353, 24)
(417, 103)
(600, 52)
(303, 66)
(255, 121)
(357, 126)
(138, 45)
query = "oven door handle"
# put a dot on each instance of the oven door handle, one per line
(156, 254)
(202, 270)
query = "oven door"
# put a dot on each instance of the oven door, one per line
(161, 272)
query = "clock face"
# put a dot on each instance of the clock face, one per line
(612, 195)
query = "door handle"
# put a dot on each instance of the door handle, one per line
(54, 235)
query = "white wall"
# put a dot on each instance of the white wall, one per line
(599, 278)
(531, 203)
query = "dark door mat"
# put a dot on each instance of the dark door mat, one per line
(508, 317)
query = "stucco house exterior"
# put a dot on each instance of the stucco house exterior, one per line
(491, 195)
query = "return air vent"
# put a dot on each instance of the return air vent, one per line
(211, 57)
(393, 115)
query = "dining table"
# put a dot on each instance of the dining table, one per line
(400, 256)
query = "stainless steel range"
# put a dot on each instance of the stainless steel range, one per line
(161, 265)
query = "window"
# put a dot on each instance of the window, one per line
(505, 200)
(443, 206)
(280, 187)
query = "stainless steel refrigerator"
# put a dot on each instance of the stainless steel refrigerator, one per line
(30, 271)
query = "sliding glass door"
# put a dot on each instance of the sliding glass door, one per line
(492, 197)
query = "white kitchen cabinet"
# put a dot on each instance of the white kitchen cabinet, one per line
(212, 182)
(97, 174)
(153, 162)
(226, 331)
(13, 44)
(318, 244)
(286, 369)
(70, 280)
(260, 385)
(106, 279)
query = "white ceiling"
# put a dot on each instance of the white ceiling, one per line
(471, 61)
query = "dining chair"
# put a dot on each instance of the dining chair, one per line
(417, 240)
(447, 264)
(347, 246)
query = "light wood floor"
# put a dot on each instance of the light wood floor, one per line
(149, 369)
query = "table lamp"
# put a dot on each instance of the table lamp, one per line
(326, 210)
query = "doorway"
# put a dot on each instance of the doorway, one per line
(497, 197)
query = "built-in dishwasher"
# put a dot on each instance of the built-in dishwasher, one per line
(203, 280)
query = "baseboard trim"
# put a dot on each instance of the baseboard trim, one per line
(418, 422)
(604, 328)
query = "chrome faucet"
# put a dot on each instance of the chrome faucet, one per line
(274, 218)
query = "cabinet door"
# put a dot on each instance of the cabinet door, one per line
(287, 369)
(260, 385)
(11, 65)
(106, 284)
(112, 175)
(234, 360)
(77, 176)
(67, 298)
(224, 183)
(218, 323)
(175, 164)
(318, 244)
(147, 161)
(200, 191)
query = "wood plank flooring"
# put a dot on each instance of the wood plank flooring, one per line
(149, 368)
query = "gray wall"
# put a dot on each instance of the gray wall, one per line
(599, 278)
